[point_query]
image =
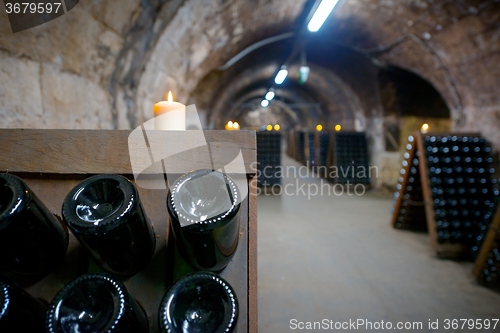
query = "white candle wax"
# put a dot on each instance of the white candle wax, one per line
(170, 115)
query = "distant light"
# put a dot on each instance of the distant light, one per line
(230, 125)
(236, 126)
(425, 128)
(338, 127)
(269, 127)
(277, 127)
(320, 15)
(270, 95)
(281, 76)
(264, 103)
(319, 128)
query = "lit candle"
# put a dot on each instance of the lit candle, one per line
(170, 115)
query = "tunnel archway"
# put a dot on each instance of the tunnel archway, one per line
(409, 101)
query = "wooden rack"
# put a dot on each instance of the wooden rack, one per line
(417, 146)
(490, 244)
(54, 161)
(324, 152)
(409, 200)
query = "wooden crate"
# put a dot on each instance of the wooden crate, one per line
(54, 161)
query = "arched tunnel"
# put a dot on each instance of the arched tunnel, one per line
(379, 68)
(109, 62)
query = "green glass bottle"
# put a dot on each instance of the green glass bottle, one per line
(106, 215)
(203, 206)
(32, 240)
(200, 302)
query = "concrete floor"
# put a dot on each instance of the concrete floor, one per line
(337, 257)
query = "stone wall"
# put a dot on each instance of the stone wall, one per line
(56, 75)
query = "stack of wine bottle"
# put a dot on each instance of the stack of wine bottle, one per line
(106, 216)
(268, 158)
(324, 145)
(311, 150)
(410, 213)
(351, 155)
(463, 194)
(490, 272)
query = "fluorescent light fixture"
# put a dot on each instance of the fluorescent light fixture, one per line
(270, 95)
(324, 9)
(281, 76)
(264, 103)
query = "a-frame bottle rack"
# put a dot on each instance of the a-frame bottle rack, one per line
(487, 265)
(446, 184)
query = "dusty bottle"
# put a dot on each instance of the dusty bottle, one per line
(19, 311)
(200, 302)
(105, 214)
(203, 206)
(95, 303)
(32, 240)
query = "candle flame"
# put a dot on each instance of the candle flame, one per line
(169, 97)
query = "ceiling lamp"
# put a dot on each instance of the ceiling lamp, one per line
(304, 69)
(303, 73)
(281, 76)
(264, 103)
(324, 9)
(270, 94)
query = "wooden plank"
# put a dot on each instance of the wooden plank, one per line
(107, 151)
(252, 255)
(332, 157)
(488, 242)
(404, 183)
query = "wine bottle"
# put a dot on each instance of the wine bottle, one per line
(95, 302)
(203, 206)
(32, 240)
(105, 214)
(200, 302)
(19, 311)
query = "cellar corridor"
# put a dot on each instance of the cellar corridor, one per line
(337, 257)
